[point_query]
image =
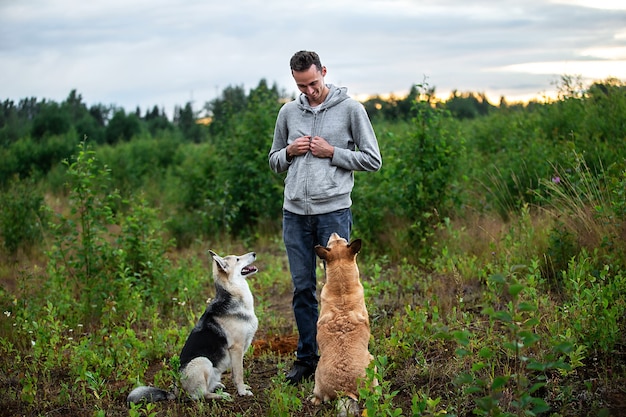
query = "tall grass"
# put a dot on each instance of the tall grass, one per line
(587, 210)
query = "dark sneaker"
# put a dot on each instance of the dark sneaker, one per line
(301, 371)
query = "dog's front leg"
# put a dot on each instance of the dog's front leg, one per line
(236, 360)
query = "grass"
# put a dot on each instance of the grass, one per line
(480, 333)
(507, 318)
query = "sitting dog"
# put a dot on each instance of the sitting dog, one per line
(220, 338)
(343, 329)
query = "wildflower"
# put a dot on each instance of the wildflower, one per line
(556, 180)
(7, 313)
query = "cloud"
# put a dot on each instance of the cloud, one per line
(138, 53)
(591, 70)
(595, 4)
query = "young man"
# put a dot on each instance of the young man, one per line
(320, 139)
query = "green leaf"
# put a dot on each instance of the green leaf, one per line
(564, 347)
(503, 316)
(536, 386)
(462, 337)
(472, 390)
(526, 306)
(499, 382)
(477, 366)
(513, 346)
(515, 289)
(497, 278)
(485, 353)
(540, 406)
(529, 338)
(519, 268)
(537, 366)
(460, 352)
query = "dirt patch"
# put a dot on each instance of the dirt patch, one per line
(277, 345)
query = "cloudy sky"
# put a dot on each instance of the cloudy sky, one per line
(131, 53)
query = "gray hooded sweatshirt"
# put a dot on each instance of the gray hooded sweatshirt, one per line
(322, 185)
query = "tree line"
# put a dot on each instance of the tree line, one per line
(109, 124)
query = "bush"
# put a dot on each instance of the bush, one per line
(418, 176)
(21, 215)
(139, 161)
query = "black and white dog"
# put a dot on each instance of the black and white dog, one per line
(220, 338)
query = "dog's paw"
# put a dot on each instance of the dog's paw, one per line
(244, 390)
(315, 400)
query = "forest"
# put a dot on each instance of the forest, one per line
(493, 258)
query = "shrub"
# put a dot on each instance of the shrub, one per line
(418, 175)
(21, 214)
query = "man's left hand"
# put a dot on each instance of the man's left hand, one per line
(321, 148)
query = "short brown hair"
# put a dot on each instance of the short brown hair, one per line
(302, 61)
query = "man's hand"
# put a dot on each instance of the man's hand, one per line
(298, 147)
(317, 145)
(320, 148)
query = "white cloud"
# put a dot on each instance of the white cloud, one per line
(161, 52)
(606, 52)
(591, 70)
(595, 4)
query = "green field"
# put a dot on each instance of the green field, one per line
(493, 260)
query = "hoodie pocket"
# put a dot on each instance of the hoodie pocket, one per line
(317, 182)
(294, 188)
(323, 187)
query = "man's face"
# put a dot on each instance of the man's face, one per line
(311, 84)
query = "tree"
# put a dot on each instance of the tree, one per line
(74, 107)
(100, 113)
(157, 121)
(82, 119)
(122, 127)
(52, 120)
(11, 127)
(245, 168)
(468, 105)
(185, 118)
(232, 102)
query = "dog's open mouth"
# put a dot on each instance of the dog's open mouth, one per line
(247, 270)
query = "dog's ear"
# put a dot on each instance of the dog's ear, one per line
(218, 260)
(321, 251)
(355, 246)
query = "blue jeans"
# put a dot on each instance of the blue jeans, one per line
(301, 233)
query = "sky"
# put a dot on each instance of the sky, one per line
(140, 53)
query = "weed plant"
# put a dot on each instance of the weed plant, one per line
(493, 270)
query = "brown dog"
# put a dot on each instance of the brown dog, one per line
(343, 328)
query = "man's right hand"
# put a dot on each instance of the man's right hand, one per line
(298, 147)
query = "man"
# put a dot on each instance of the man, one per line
(320, 139)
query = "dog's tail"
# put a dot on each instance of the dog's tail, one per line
(149, 395)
